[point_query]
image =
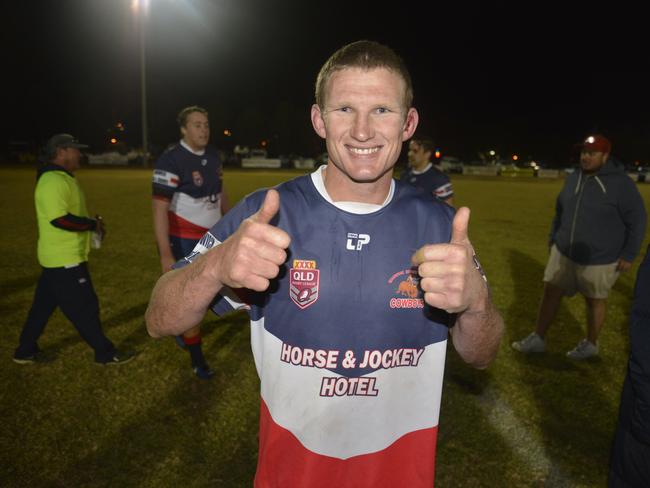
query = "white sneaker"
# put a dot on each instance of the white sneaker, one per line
(531, 343)
(583, 350)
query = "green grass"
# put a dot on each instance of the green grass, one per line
(525, 421)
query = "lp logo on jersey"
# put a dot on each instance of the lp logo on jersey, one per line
(304, 279)
(357, 241)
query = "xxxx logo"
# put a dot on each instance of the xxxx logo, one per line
(304, 279)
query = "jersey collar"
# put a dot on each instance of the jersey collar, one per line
(351, 207)
(197, 153)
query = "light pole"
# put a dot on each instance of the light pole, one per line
(141, 8)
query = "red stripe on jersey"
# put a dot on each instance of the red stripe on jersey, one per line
(179, 227)
(285, 462)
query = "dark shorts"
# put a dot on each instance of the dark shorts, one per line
(181, 247)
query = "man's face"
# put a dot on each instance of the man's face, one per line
(364, 122)
(69, 158)
(418, 157)
(196, 132)
(592, 161)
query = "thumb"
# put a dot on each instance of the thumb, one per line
(459, 226)
(269, 208)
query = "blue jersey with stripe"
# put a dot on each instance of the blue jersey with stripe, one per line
(350, 358)
(431, 181)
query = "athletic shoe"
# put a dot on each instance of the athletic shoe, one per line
(119, 357)
(203, 372)
(531, 343)
(180, 342)
(583, 350)
(38, 358)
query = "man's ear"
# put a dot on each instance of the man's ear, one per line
(410, 124)
(317, 120)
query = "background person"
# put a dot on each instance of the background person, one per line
(188, 199)
(64, 231)
(630, 460)
(423, 175)
(596, 233)
(324, 259)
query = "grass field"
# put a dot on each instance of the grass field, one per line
(525, 421)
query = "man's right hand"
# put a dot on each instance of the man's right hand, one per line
(252, 256)
(166, 263)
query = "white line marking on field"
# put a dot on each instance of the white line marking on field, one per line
(521, 440)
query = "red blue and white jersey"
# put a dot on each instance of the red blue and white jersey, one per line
(350, 358)
(192, 182)
(430, 180)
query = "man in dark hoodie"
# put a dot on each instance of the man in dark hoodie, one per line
(64, 229)
(630, 458)
(597, 232)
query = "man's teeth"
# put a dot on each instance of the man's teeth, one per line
(367, 150)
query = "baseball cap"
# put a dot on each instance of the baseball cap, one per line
(596, 142)
(62, 140)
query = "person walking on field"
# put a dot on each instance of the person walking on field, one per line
(64, 232)
(597, 232)
(423, 175)
(188, 199)
(353, 282)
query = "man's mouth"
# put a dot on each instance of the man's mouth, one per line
(363, 151)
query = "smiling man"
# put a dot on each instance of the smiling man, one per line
(188, 199)
(348, 325)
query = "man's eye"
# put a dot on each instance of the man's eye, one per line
(344, 109)
(382, 110)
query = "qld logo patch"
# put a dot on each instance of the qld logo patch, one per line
(304, 279)
(197, 178)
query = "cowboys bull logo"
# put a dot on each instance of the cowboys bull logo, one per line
(304, 279)
(408, 287)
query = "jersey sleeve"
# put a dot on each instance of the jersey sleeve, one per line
(228, 299)
(166, 177)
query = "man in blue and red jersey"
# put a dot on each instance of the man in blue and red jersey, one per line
(423, 175)
(349, 326)
(188, 199)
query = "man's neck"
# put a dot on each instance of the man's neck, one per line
(65, 166)
(193, 150)
(421, 168)
(342, 189)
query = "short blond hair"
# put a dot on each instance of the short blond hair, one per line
(365, 55)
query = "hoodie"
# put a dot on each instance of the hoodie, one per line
(599, 217)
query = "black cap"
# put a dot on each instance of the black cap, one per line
(64, 141)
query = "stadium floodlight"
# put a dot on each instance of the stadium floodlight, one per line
(141, 8)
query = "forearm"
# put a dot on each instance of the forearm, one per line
(161, 227)
(180, 299)
(225, 202)
(74, 223)
(477, 333)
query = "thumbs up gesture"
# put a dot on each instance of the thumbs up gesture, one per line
(448, 274)
(252, 256)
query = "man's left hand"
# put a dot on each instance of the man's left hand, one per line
(448, 273)
(623, 265)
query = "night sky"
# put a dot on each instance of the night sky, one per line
(531, 78)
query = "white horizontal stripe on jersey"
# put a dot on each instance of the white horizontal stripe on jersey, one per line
(345, 426)
(199, 211)
(165, 178)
